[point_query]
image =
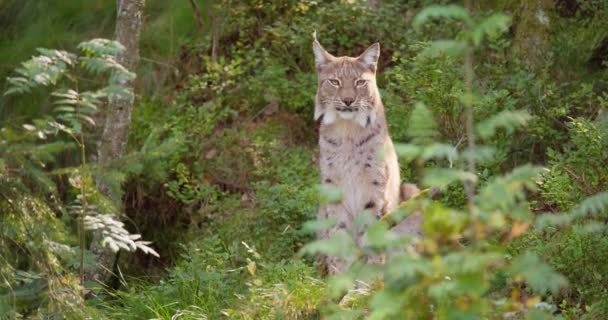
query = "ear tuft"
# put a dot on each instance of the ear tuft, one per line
(370, 56)
(322, 57)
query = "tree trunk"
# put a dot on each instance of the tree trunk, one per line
(215, 32)
(113, 142)
(532, 32)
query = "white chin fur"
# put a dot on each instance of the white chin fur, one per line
(360, 118)
(329, 117)
(346, 115)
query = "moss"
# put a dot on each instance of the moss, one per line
(532, 32)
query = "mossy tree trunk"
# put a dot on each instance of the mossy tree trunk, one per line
(532, 32)
(113, 141)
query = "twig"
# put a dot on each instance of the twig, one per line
(197, 15)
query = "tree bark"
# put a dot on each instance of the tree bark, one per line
(113, 142)
(532, 32)
(215, 33)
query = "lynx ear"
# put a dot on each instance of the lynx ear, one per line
(322, 57)
(370, 56)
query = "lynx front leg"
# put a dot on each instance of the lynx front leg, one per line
(412, 225)
(332, 264)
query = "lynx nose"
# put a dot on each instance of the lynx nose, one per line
(348, 101)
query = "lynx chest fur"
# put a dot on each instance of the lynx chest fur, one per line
(362, 164)
(356, 153)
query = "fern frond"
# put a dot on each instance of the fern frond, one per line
(442, 12)
(422, 126)
(42, 70)
(507, 119)
(510, 187)
(100, 47)
(408, 151)
(440, 150)
(115, 236)
(595, 205)
(491, 26)
(441, 177)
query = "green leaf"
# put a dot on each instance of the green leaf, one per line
(507, 119)
(117, 91)
(491, 26)
(64, 109)
(537, 314)
(403, 270)
(87, 119)
(422, 127)
(482, 154)
(340, 283)
(329, 194)
(377, 235)
(408, 151)
(510, 187)
(441, 177)
(436, 48)
(595, 205)
(101, 47)
(385, 304)
(443, 222)
(441, 151)
(314, 226)
(539, 276)
(471, 262)
(590, 227)
(442, 12)
(339, 244)
(68, 94)
(551, 219)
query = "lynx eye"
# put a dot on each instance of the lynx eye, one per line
(335, 82)
(360, 83)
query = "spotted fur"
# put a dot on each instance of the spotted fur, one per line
(356, 152)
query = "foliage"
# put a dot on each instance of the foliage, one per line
(448, 271)
(222, 174)
(39, 266)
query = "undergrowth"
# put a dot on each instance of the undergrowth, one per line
(226, 205)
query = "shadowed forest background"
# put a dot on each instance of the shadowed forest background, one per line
(220, 177)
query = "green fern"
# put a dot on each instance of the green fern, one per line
(511, 187)
(595, 206)
(441, 12)
(507, 120)
(422, 127)
(28, 187)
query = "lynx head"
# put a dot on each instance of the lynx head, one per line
(346, 86)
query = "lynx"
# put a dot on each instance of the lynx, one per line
(356, 152)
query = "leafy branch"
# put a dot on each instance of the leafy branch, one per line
(73, 114)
